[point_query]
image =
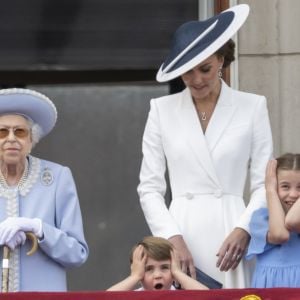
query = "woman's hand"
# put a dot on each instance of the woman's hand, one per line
(182, 279)
(184, 255)
(233, 249)
(10, 226)
(18, 239)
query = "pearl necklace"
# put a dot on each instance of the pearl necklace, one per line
(22, 179)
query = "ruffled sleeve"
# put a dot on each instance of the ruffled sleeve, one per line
(258, 227)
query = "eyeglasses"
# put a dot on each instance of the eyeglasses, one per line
(19, 132)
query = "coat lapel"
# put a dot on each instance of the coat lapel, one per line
(221, 117)
(194, 134)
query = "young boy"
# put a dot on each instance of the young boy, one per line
(154, 264)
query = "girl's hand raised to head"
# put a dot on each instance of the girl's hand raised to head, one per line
(271, 176)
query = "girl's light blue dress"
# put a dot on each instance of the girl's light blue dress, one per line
(276, 265)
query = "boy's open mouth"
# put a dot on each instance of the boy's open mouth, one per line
(158, 286)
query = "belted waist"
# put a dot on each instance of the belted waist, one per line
(218, 193)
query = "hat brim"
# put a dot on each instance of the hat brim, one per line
(240, 12)
(30, 104)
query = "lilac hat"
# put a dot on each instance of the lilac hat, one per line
(31, 104)
(195, 41)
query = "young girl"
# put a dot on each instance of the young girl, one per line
(275, 239)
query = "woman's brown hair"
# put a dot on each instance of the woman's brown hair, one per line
(227, 51)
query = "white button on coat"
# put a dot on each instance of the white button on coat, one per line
(189, 196)
(218, 193)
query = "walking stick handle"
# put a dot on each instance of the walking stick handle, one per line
(5, 260)
(32, 237)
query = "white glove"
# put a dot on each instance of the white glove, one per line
(12, 225)
(18, 239)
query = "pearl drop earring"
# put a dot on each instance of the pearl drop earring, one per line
(220, 74)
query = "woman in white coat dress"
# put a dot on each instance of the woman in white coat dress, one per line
(208, 136)
(36, 195)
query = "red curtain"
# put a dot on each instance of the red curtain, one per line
(226, 294)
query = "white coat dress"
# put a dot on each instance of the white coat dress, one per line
(207, 172)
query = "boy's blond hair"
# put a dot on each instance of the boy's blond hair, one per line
(156, 248)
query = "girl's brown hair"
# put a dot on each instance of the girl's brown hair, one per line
(288, 161)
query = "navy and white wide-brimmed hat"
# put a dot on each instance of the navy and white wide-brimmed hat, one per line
(195, 41)
(31, 104)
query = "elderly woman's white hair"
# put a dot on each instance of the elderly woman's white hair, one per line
(36, 131)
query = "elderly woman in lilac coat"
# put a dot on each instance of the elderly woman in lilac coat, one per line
(36, 196)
